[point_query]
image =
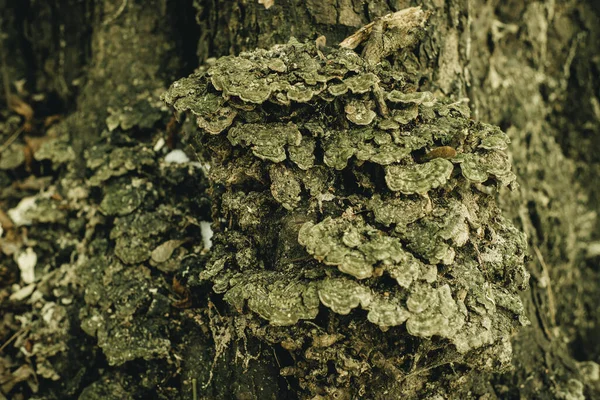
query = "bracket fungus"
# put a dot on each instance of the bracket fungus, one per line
(326, 202)
(342, 295)
(419, 178)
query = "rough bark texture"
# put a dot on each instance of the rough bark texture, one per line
(101, 245)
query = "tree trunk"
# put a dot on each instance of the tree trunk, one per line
(101, 233)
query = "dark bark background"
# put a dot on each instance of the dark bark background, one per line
(80, 113)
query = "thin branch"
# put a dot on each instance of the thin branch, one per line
(14, 336)
(117, 14)
(551, 303)
(11, 139)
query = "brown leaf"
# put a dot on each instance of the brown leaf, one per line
(23, 109)
(51, 120)
(5, 221)
(182, 291)
(21, 374)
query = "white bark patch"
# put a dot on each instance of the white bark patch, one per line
(207, 234)
(267, 3)
(176, 157)
(26, 262)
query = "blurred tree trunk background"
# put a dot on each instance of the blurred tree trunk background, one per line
(82, 77)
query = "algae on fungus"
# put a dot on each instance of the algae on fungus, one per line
(329, 195)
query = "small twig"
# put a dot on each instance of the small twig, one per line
(117, 14)
(7, 95)
(14, 336)
(4, 69)
(551, 303)
(424, 369)
(313, 324)
(298, 259)
(480, 260)
(379, 98)
(11, 139)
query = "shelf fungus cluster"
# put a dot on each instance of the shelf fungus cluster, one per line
(339, 190)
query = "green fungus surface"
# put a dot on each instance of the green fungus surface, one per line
(326, 205)
(419, 178)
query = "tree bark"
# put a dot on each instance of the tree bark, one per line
(105, 319)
